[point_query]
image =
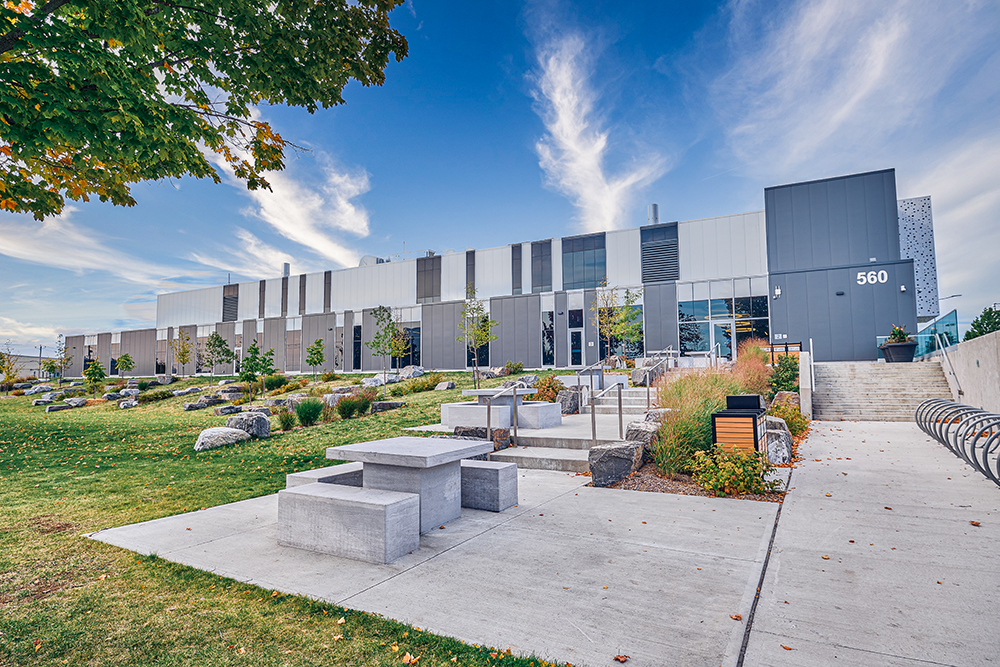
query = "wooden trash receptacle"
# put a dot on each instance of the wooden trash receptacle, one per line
(742, 424)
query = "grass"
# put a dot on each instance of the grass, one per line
(65, 599)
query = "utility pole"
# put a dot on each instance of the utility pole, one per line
(40, 358)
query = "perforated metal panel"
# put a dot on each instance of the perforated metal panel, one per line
(916, 242)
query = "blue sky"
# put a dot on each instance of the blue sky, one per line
(517, 121)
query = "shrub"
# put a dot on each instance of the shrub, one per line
(275, 381)
(18, 392)
(150, 396)
(727, 473)
(328, 414)
(784, 375)
(547, 389)
(329, 376)
(347, 406)
(398, 389)
(671, 456)
(692, 399)
(423, 383)
(286, 419)
(308, 411)
(303, 381)
(143, 385)
(797, 422)
(365, 400)
(751, 369)
(514, 367)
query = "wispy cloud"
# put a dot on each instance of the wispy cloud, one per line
(25, 334)
(574, 150)
(251, 257)
(59, 242)
(310, 211)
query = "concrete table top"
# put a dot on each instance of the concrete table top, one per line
(410, 452)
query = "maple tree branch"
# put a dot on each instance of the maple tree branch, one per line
(10, 39)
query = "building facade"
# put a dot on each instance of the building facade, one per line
(826, 263)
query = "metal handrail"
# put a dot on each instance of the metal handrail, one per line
(812, 366)
(589, 370)
(951, 369)
(593, 412)
(971, 434)
(671, 354)
(489, 407)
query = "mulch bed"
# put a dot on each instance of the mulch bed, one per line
(648, 478)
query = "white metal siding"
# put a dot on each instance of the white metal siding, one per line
(493, 272)
(272, 298)
(723, 247)
(249, 301)
(389, 284)
(453, 276)
(624, 258)
(293, 296)
(314, 293)
(201, 306)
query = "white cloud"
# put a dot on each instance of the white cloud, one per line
(252, 258)
(25, 334)
(307, 213)
(574, 150)
(59, 242)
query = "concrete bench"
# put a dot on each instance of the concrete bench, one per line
(371, 525)
(347, 474)
(489, 485)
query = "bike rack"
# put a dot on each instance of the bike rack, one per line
(971, 434)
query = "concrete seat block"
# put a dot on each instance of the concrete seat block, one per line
(489, 485)
(348, 474)
(539, 414)
(473, 414)
(370, 525)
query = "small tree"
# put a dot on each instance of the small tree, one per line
(63, 357)
(182, 348)
(616, 318)
(476, 328)
(217, 352)
(125, 363)
(51, 367)
(250, 367)
(95, 374)
(315, 355)
(381, 342)
(987, 322)
(400, 341)
(9, 366)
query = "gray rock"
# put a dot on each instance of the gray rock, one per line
(776, 424)
(273, 402)
(372, 382)
(500, 371)
(657, 414)
(164, 379)
(342, 390)
(779, 446)
(384, 406)
(57, 408)
(333, 399)
(291, 400)
(75, 402)
(195, 406)
(410, 372)
(223, 383)
(256, 424)
(641, 431)
(128, 403)
(38, 388)
(53, 395)
(501, 436)
(42, 401)
(22, 385)
(257, 408)
(219, 436)
(76, 384)
(129, 392)
(485, 375)
(614, 461)
(639, 377)
(228, 410)
(444, 386)
(152, 383)
(193, 390)
(569, 399)
(388, 378)
(786, 398)
(211, 401)
(111, 396)
(529, 379)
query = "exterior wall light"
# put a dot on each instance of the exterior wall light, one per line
(902, 288)
(777, 291)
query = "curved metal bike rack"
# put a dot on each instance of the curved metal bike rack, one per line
(971, 434)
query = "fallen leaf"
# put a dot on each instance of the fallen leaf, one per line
(493, 655)
(337, 638)
(341, 620)
(974, 523)
(455, 659)
(621, 658)
(394, 648)
(939, 582)
(888, 508)
(103, 577)
(787, 648)
(826, 558)
(829, 495)
(736, 617)
(605, 588)
(274, 594)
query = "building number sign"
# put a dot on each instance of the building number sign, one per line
(872, 277)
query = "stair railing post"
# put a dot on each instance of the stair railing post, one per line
(647, 389)
(489, 413)
(621, 432)
(515, 415)
(593, 418)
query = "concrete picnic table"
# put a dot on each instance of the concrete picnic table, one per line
(428, 467)
(507, 398)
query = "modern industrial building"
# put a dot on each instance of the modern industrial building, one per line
(831, 264)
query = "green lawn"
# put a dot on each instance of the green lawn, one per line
(65, 599)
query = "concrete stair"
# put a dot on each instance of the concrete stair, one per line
(545, 458)
(875, 391)
(633, 402)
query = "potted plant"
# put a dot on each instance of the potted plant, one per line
(899, 347)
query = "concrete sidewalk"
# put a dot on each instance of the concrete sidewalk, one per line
(574, 573)
(911, 585)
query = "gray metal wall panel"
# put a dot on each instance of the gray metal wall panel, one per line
(338, 349)
(74, 345)
(561, 330)
(842, 328)
(348, 340)
(833, 222)
(590, 348)
(140, 344)
(274, 338)
(228, 332)
(188, 368)
(249, 334)
(439, 347)
(316, 327)
(519, 330)
(659, 312)
(369, 362)
(104, 351)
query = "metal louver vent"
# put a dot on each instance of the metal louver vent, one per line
(659, 261)
(230, 303)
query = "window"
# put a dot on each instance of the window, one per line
(548, 339)
(576, 319)
(161, 351)
(470, 268)
(722, 308)
(483, 353)
(692, 311)
(541, 267)
(583, 261)
(694, 337)
(631, 349)
(576, 348)
(293, 345)
(412, 357)
(428, 279)
(327, 290)
(357, 348)
(515, 269)
(749, 312)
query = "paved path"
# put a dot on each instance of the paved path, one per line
(911, 585)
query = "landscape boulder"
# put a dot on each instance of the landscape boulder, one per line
(485, 375)
(211, 400)
(779, 447)
(500, 371)
(128, 403)
(776, 424)
(164, 379)
(22, 385)
(641, 431)
(228, 410)
(786, 398)
(292, 399)
(273, 402)
(657, 414)
(42, 401)
(384, 406)
(256, 424)
(53, 395)
(444, 386)
(77, 402)
(333, 399)
(111, 396)
(614, 461)
(342, 390)
(501, 436)
(129, 392)
(372, 382)
(410, 372)
(76, 383)
(569, 399)
(199, 405)
(529, 379)
(57, 408)
(219, 436)
(223, 383)
(388, 378)
(257, 408)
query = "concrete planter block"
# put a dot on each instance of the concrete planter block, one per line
(539, 414)
(614, 461)
(346, 474)
(370, 525)
(489, 485)
(473, 414)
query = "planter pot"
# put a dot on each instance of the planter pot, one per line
(898, 352)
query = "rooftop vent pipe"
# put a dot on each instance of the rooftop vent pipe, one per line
(286, 270)
(653, 213)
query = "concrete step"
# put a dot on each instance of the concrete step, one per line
(613, 410)
(560, 443)
(545, 458)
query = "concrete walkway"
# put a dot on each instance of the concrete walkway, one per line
(911, 585)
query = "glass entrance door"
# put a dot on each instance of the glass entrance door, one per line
(722, 335)
(576, 348)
